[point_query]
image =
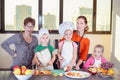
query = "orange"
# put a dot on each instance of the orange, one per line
(110, 72)
(104, 71)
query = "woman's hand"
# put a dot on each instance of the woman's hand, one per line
(70, 66)
(77, 67)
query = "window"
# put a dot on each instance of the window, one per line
(0, 15)
(103, 15)
(79, 7)
(17, 10)
(50, 14)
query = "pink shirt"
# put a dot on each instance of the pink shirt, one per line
(91, 61)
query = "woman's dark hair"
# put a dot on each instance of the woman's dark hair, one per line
(29, 19)
(85, 20)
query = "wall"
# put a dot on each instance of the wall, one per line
(5, 58)
(115, 55)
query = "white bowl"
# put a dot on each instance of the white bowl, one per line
(23, 77)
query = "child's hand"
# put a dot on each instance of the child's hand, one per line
(50, 63)
(70, 66)
(38, 63)
(61, 60)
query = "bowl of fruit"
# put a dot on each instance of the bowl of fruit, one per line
(107, 69)
(22, 73)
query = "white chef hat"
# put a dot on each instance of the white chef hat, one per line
(65, 26)
(43, 31)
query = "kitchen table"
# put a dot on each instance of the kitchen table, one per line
(8, 75)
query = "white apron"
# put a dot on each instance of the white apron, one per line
(97, 63)
(67, 53)
(44, 57)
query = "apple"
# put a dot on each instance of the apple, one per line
(28, 71)
(23, 69)
(15, 67)
(17, 71)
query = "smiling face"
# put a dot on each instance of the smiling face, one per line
(29, 24)
(81, 25)
(29, 28)
(68, 34)
(44, 40)
(98, 52)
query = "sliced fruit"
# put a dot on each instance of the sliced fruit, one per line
(17, 71)
(28, 71)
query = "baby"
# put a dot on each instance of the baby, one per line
(97, 58)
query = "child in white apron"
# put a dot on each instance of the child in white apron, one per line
(44, 52)
(67, 51)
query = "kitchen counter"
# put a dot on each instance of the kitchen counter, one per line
(8, 75)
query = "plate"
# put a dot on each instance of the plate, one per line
(77, 74)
